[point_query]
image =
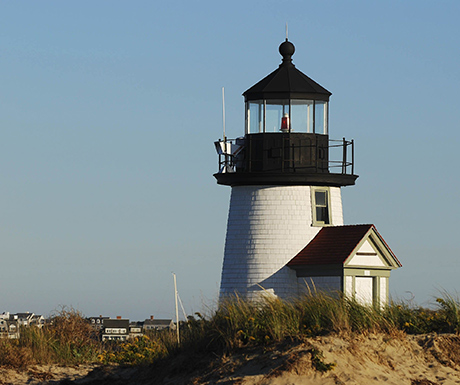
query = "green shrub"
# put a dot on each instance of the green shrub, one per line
(138, 351)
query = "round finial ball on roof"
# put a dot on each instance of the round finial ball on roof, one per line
(286, 49)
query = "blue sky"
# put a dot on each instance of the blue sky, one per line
(109, 110)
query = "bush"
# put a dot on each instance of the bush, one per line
(139, 351)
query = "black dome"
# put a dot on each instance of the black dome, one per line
(287, 82)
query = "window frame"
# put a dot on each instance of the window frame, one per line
(314, 206)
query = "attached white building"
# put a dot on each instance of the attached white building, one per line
(354, 260)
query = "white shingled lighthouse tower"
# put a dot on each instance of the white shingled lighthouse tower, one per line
(286, 189)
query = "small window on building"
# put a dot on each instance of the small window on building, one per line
(320, 206)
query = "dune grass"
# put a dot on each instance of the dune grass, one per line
(235, 323)
(68, 340)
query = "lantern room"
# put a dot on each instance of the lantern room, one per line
(286, 139)
(290, 115)
(287, 101)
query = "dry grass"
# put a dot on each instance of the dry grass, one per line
(236, 323)
(68, 340)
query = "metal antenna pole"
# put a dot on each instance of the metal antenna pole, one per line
(226, 157)
(177, 309)
(223, 111)
(286, 31)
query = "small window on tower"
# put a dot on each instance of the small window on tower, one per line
(320, 205)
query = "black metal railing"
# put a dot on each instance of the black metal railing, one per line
(226, 156)
(234, 155)
(348, 155)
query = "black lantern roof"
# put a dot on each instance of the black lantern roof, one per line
(287, 82)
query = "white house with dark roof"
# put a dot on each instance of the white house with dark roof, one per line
(354, 260)
(115, 329)
(158, 324)
(9, 328)
(24, 319)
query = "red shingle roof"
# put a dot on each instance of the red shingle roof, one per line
(332, 245)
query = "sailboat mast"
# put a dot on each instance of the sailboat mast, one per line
(177, 309)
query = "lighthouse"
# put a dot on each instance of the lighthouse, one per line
(286, 176)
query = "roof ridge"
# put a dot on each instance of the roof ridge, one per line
(356, 225)
(332, 244)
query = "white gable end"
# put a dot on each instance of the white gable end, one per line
(366, 247)
(366, 256)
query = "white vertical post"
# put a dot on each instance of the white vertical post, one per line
(247, 117)
(177, 309)
(265, 115)
(260, 117)
(223, 115)
(326, 118)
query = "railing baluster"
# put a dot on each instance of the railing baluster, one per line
(352, 157)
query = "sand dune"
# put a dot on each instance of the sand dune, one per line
(351, 359)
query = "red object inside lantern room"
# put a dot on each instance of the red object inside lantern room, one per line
(285, 123)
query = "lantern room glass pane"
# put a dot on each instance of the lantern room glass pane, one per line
(320, 117)
(255, 112)
(302, 115)
(275, 109)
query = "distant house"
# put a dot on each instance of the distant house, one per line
(97, 322)
(24, 319)
(13, 329)
(135, 329)
(9, 328)
(353, 259)
(158, 324)
(115, 329)
(5, 315)
(37, 320)
(3, 328)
